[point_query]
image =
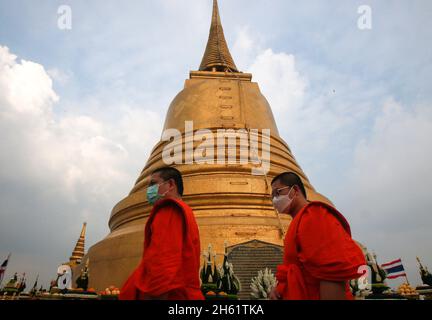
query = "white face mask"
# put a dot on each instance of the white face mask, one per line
(283, 202)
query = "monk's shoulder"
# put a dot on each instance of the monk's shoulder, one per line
(318, 213)
(316, 209)
(168, 204)
(167, 208)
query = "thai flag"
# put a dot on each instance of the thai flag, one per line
(394, 269)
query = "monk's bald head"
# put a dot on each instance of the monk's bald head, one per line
(290, 179)
(168, 174)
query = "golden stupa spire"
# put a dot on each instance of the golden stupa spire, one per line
(217, 56)
(78, 252)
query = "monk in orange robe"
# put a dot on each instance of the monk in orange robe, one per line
(169, 269)
(320, 257)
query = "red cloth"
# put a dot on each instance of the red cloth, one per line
(318, 246)
(169, 268)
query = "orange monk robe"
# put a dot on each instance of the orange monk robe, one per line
(317, 247)
(169, 268)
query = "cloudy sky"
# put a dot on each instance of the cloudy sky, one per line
(80, 110)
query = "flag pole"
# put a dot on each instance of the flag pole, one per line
(406, 276)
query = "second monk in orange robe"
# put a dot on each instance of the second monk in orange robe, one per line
(320, 257)
(169, 269)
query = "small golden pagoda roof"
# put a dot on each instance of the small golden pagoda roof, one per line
(78, 252)
(217, 56)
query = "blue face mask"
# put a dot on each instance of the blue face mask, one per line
(153, 193)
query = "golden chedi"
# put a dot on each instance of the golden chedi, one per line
(79, 250)
(230, 199)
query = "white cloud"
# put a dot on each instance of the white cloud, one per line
(387, 193)
(307, 117)
(58, 170)
(245, 48)
(73, 151)
(395, 160)
(59, 76)
(312, 117)
(280, 81)
(26, 88)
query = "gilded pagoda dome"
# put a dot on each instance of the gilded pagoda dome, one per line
(230, 199)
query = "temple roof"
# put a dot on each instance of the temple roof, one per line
(217, 56)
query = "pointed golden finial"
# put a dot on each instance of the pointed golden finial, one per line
(78, 252)
(217, 56)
